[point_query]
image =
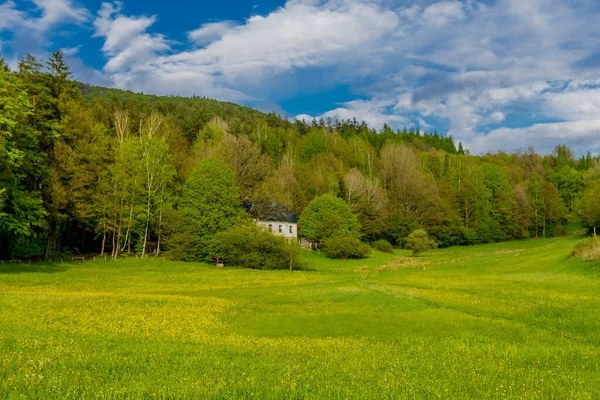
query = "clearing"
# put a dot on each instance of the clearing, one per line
(508, 320)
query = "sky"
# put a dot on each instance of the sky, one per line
(495, 74)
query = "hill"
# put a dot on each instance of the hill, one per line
(94, 170)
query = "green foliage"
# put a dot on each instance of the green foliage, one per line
(383, 245)
(102, 170)
(251, 246)
(209, 204)
(591, 208)
(419, 241)
(344, 247)
(328, 216)
(21, 208)
(587, 249)
(399, 227)
(313, 146)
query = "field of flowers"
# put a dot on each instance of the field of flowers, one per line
(512, 320)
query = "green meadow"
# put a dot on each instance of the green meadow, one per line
(512, 320)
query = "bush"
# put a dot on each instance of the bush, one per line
(251, 246)
(588, 249)
(382, 245)
(345, 248)
(419, 241)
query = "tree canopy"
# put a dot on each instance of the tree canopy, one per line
(91, 169)
(328, 216)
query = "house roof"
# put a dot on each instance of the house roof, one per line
(269, 211)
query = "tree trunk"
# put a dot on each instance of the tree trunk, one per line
(127, 242)
(544, 229)
(49, 241)
(103, 242)
(114, 226)
(11, 252)
(159, 232)
(147, 225)
(120, 230)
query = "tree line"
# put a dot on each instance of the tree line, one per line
(95, 170)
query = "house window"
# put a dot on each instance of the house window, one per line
(280, 228)
(291, 229)
(271, 227)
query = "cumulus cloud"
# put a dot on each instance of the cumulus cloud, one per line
(374, 113)
(543, 137)
(301, 34)
(444, 12)
(31, 30)
(52, 13)
(126, 44)
(10, 16)
(210, 32)
(59, 11)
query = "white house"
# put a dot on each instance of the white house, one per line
(275, 217)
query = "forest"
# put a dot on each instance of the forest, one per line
(86, 169)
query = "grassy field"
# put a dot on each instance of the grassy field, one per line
(511, 320)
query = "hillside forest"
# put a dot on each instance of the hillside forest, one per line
(93, 170)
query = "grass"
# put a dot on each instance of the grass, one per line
(511, 320)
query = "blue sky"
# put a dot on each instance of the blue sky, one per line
(496, 74)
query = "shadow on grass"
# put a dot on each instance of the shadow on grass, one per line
(24, 268)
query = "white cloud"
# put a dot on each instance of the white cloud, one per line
(544, 137)
(53, 13)
(10, 17)
(573, 105)
(210, 32)
(444, 12)
(374, 113)
(71, 51)
(59, 11)
(127, 45)
(298, 35)
(31, 31)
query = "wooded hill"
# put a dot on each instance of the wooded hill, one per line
(89, 169)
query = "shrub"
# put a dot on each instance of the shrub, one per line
(251, 246)
(345, 248)
(587, 249)
(419, 241)
(382, 245)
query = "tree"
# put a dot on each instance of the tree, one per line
(158, 171)
(554, 209)
(314, 145)
(21, 208)
(368, 202)
(210, 203)
(410, 192)
(418, 242)
(591, 207)
(328, 216)
(247, 163)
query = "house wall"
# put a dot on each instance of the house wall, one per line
(285, 228)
